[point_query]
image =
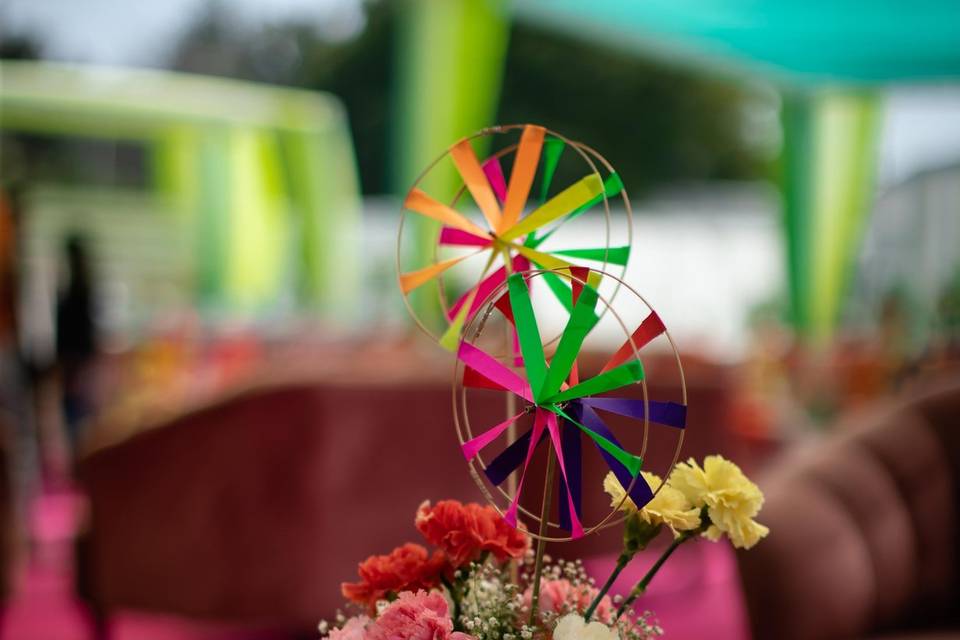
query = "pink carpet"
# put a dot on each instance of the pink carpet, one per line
(695, 595)
(44, 606)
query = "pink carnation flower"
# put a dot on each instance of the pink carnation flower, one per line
(354, 629)
(415, 616)
(561, 597)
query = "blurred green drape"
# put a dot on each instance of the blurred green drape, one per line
(831, 59)
(450, 62)
(267, 175)
(827, 183)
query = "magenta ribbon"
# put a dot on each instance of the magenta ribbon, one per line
(486, 287)
(472, 447)
(494, 173)
(539, 421)
(576, 529)
(451, 236)
(488, 367)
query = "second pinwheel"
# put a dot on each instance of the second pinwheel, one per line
(563, 409)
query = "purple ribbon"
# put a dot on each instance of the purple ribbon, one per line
(510, 458)
(670, 414)
(572, 459)
(640, 492)
(667, 413)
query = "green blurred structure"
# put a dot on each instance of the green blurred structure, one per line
(266, 176)
(829, 58)
(450, 66)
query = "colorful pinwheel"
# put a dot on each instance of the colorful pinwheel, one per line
(521, 221)
(565, 408)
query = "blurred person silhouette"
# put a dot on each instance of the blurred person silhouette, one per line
(16, 436)
(76, 337)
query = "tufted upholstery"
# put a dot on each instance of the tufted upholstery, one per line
(866, 530)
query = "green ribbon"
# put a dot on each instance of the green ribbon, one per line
(612, 255)
(562, 292)
(552, 149)
(627, 373)
(529, 336)
(631, 462)
(611, 187)
(582, 320)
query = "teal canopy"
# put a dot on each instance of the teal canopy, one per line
(830, 59)
(816, 41)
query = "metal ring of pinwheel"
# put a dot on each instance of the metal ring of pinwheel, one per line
(506, 240)
(568, 411)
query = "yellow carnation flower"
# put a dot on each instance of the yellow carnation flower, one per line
(669, 506)
(732, 501)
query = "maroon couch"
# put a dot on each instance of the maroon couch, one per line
(865, 535)
(255, 507)
(7, 511)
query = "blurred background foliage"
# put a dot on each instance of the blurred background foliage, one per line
(698, 147)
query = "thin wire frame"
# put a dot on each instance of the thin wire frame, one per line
(584, 151)
(473, 330)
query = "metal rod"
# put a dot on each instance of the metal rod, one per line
(541, 543)
(511, 436)
(511, 411)
(511, 398)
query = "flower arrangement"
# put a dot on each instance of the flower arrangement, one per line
(482, 581)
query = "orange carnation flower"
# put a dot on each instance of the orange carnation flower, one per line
(465, 531)
(406, 568)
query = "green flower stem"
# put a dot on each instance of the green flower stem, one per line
(641, 587)
(455, 596)
(622, 563)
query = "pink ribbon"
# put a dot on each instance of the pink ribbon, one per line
(538, 422)
(472, 447)
(487, 366)
(576, 529)
(486, 287)
(494, 173)
(449, 235)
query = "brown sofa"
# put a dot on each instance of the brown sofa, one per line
(866, 536)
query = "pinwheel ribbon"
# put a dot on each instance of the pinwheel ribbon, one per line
(563, 406)
(508, 235)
